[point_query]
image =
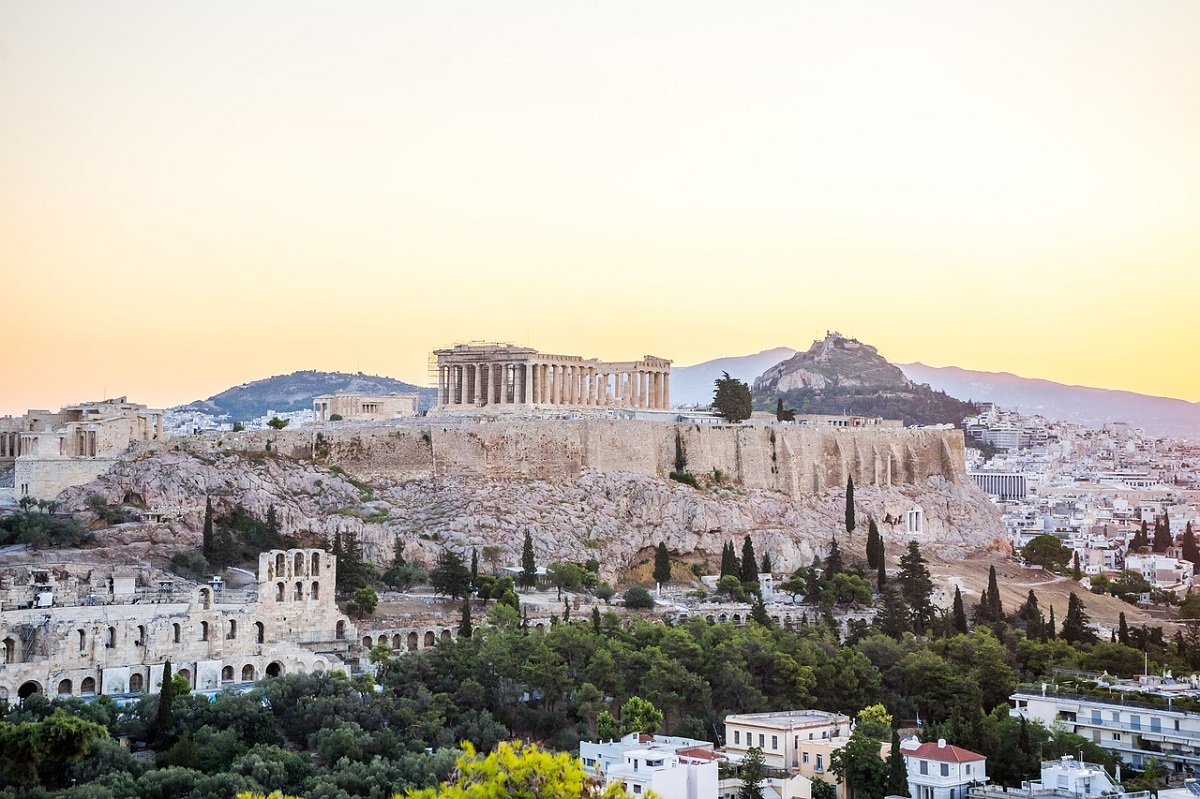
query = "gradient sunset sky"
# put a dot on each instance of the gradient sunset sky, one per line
(195, 195)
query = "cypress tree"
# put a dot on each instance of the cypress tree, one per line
(207, 540)
(850, 504)
(765, 568)
(596, 619)
(1191, 552)
(1076, 571)
(1140, 539)
(749, 562)
(165, 720)
(528, 564)
(1075, 627)
(1123, 630)
(881, 576)
(875, 552)
(729, 561)
(1050, 631)
(833, 561)
(959, 613)
(1031, 614)
(897, 774)
(474, 568)
(464, 625)
(916, 587)
(990, 609)
(662, 564)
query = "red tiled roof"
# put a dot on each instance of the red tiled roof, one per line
(643, 738)
(697, 753)
(953, 754)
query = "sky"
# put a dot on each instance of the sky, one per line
(196, 195)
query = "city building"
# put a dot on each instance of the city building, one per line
(938, 770)
(672, 767)
(796, 742)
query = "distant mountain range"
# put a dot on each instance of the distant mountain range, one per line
(295, 392)
(1088, 406)
(693, 385)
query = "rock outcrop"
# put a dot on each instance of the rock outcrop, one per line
(615, 517)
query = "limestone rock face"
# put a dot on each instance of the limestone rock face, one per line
(615, 517)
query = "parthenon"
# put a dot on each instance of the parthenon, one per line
(506, 377)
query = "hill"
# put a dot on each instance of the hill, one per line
(1080, 404)
(693, 385)
(840, 375)
(294, 392)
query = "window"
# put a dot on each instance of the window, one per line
(1096, 717)
(1155, 724)
(762, 740)
(737, 736)
(203, 631)
(804, 757)
(820, 763)
(1116, 736)
(637, 788)
(924, 767)
(1116, 717)
(945, 769)
(1135, 722)
(968, 768)
(775, 742)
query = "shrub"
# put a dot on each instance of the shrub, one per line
(638, 598)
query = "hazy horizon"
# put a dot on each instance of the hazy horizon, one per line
(197, 196)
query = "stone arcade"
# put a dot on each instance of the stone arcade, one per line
(505, 377)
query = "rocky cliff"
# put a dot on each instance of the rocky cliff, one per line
(615, 517)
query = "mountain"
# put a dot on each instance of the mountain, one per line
(693, 385)
(1088, 406)
(295, 392)
(841, 375)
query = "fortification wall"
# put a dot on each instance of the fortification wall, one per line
(792, 459)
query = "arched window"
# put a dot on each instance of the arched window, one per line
(341, 630)
(206, 598)
(187, 675)
(412, 641)
(248, 673)
(446, 636)
(141, 636)
(429, 638)
(88, 686)
(227, 674)
(177, 632)
(64, 688)
(136, 683)
(275, 669)
(298, 592)
(110, 638)
(316, 563)
(367, 642)
(279, 592)
(397, 641)
(260, 632)
(203, 631)
(82, 641)
(315, 592)
(298, 564)
(232, 633)
(9, 651)
(280, 565)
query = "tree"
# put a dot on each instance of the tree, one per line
(875, 552)
(1031, 614)
(749, 573)
(464, 624)
(1191, 552)
(528, 578)
(1046, 551)
(1123, 630)
(364, 602)
(729, 561)
(518, 770)
(662, 564)
(1162, 533)
(207, 535)
(1075, 627)
(916, 587)
(639, 715)
(752, 771)
(450, 576)
(164, 723)
(758, 612)
(1140, 540)
(958, 613)
(765, 566)
(892, 619)
(275, 423)
(990, 609)
(732, 398)
(474, 568)
(850, 504)
(897, 773)
(833, 561)
(1050, 628)
(1076, 569)
(858, 764)
(638, 598)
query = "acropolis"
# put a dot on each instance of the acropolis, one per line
(505, 377)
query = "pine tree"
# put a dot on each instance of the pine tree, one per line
(833, 561)
(892, 618)
(662, 564)
(897, 775)
(1031, 614)
(758, 612)
(207, 539)
(749, 563)
(528, 576)
(464, 625)
(752, 771)
(849, 504)
(959, 613)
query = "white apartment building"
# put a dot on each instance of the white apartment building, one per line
(672, 767)
(940, 770)
(1161, 571)
(1135, 730)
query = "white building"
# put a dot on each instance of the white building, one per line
(1161, 571)
(940, 770)
(672, 767)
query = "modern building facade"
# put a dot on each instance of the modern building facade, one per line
(938, 770)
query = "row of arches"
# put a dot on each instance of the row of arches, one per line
(303, 565)
(297, 592)
(138, 682)
(411, 642)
